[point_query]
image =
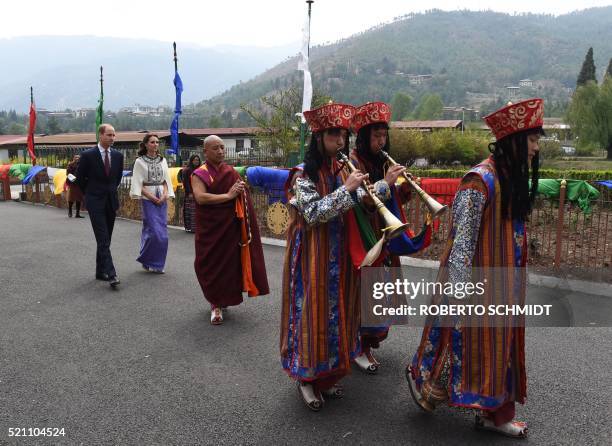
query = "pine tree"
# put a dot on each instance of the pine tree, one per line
(609, 70)
(587, 73)
(401, 106)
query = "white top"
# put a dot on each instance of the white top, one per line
(150, 170)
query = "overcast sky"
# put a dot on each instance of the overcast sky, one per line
(235, 22)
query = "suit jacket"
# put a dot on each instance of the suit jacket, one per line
(93, 181)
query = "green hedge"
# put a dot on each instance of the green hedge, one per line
(439, 173)
(588, 175)
(577, 174)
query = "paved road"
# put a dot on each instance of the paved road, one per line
(144, 366)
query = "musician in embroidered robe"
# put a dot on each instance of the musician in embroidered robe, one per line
(475, 363)
(371, 122)
(317, 339)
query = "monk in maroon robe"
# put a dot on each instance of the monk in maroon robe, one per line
(229, 256)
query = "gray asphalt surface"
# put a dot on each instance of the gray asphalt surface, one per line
(144, 366)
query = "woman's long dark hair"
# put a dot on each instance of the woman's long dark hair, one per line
(512, 166)
(192, 166)
(73, 163)
(363, 149)
(313, 159)
(143, 145)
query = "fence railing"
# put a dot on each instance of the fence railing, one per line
(5, 189)
(560, 234)
(59, 157)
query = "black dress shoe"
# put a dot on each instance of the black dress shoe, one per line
(102, 276)
(78, 216)
(114, 282)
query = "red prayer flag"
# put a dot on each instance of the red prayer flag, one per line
(31, 130)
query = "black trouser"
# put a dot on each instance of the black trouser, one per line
(78, 207)
(102, 222)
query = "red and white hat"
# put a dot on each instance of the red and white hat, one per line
(371, 113)
(513, 118)
(330, 116)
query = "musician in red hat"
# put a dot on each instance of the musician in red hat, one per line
(317, 339)
(371, 123)
(473, 363)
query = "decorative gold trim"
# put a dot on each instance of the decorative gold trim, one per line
(277, 218)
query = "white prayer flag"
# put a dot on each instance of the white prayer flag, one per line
(303, 66)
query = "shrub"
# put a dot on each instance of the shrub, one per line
(550, 149)
(586, 149)
(439, 147)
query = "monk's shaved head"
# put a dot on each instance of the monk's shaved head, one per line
(214, 149)
(212, 139)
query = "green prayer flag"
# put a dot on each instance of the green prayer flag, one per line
(578, 191)
(100, 109)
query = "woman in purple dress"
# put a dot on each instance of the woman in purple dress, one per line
(152, 185)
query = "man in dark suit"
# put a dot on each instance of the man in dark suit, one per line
(98, 175)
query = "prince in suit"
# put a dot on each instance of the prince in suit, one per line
(98, 175)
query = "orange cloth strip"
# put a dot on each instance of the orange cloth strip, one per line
(248, 285)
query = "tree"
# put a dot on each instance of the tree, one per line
(430, 107)
(16, 129)
(401, 106)
(387, 65)
(226, 118)
(278, 119)
(590, 114)
(587, 72)
(215, 122)
(53, 127)
(609, 70)
(243, 119)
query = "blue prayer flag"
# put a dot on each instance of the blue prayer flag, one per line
(174, 127)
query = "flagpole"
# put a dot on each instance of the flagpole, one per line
(302, 123)
(178, 149)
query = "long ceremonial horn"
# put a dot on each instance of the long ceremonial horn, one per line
(393, 225)
(435, 208)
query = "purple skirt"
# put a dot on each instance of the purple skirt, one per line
(154, 238)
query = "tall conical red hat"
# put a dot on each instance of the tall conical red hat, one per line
(371, 113)
(330, 116)
(517, 117)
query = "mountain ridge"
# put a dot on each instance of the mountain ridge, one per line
(464, 51)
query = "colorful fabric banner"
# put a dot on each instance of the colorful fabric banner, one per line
(35, 170)
(31, 130)
(174, 127)
(59, 180)
(303, 66)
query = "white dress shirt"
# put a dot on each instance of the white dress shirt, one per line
(102, 150)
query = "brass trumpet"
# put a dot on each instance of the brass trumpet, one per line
(435, 208)
(393, 225)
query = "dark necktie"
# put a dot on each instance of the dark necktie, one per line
(106, 163)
